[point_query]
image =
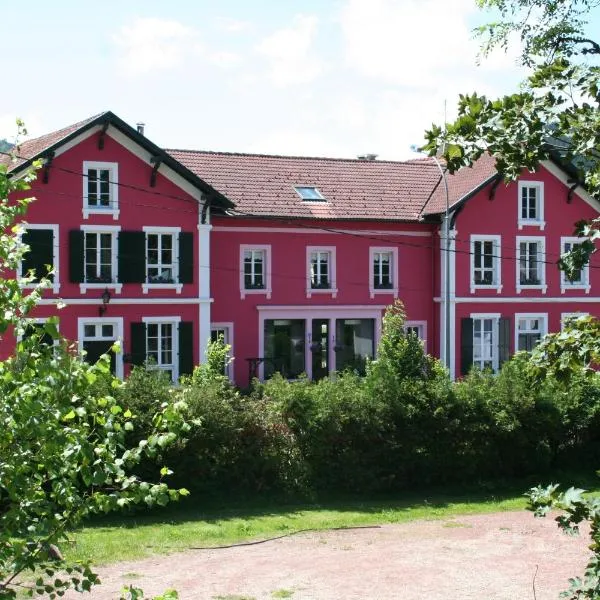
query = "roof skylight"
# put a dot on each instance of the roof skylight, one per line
(309, 193)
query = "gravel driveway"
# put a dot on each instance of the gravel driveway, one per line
(494, 556)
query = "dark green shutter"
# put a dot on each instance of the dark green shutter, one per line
(503, 341)
(466, 345)
(137, 345)
(41, 252)
(132, 256)
(76, 256)
(186, 348)
(186, 257)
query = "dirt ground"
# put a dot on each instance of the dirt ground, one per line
(484, 557)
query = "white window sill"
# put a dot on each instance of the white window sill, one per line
(265, 292)
(542, 287)
(100, 211)
(576, 286)
(162, 286)
(391, 291)
(532, 223)
(55, 287)
(498, 288)
(84, 287)
(332, 291)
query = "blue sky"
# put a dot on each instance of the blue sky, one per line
(317, 77)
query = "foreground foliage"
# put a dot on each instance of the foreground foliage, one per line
(555, 115)
(63, 450)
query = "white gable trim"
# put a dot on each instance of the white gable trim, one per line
(138, 151)
(563, 178)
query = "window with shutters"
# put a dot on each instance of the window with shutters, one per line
(162, 345)
(320, 270)
(531, 263)
(485, 262)
(42, 256)
(37, 329)
(255, 270)
(100, 189)
(580, 280)
(383, 271)
(530, 328)
(97, 255)
(531, 204)
(162, 258)
(98, 336)
(486, 341)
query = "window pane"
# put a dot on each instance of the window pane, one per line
(284, 347)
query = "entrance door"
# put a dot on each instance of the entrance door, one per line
(98, 338)
(320, 348)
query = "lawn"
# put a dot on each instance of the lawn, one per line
(197, 523)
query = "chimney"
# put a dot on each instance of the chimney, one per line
(140, 128)
(370, 157)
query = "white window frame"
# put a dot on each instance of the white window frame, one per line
(332, 289)
(539, 221)
(114, 285)
(55, 252)
(266, 249)
(42, 321)
(495, 318)
(542, 317)
(393, 252)
(228, 328)
(421, 327)
(118, 322)
(565, 284)
(113, 168)
(541, 240)
(319, 197)
(174, 321)
(174, 233)
(571, 315)
(497, 264)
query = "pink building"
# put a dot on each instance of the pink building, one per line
(126, 229)
(294, 259)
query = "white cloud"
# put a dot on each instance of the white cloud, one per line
(151, 44)
(233, 25)
(224, 59)
(408, 42)
(289, 53)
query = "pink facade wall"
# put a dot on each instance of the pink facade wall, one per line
(60, 201)
(499, 216)
(288, 241)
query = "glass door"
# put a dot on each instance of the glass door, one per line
(319, 348)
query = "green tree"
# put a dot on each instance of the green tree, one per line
(555, 114)
(63, 453)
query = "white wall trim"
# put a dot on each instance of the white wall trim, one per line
(524, 300)
(311, 230)
(125, 301)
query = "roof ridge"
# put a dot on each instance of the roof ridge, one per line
(410, 162)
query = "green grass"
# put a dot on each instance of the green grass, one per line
(191, 525)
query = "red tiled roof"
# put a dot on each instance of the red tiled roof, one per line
(354, 189)
(461, 184)
(30, 149)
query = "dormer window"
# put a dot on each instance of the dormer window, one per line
(531, 204)
(309, 193)
(100, 189)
